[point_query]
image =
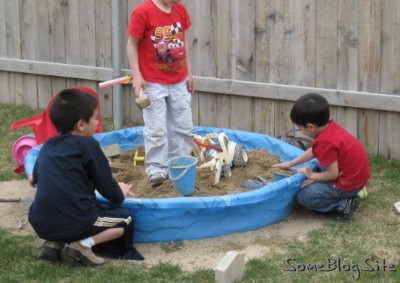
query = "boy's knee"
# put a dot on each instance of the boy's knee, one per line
(304, 196)
(300, 198)
(121, 231)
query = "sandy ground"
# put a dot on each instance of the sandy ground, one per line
(190, 255)
(259, 163)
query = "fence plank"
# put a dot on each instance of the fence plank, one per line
(87, 37)
(87, 33)
(370, 49)
(348, 43)
(305, 43)
(264, 113)
(224, 59)
(245, 62)
(326, 52)
(72, 33)
(57, 41)
(72, 37)
(132, 112)
(265, 16)
(282, 113)
(389, 126)
(205, 61)
(193, 33)
(28, 47)
(284, 43)
(4, 92)
(370, 67)
(192, 40)
(3, 32)
(305, 55)
(283, 66)
(42, 53)
(103, 50)
(265, 23)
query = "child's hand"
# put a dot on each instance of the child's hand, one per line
(138, 83)
(307, 171)
(30, 180)
(126, 188)
(283, 165)
(190, 84)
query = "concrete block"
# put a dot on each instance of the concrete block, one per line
(231, 268)
(111, 150)
(397, 206)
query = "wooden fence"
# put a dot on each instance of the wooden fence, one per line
(251, 59)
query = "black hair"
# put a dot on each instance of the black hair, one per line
(70, 106)
(311, 108)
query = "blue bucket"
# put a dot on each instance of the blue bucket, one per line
(182, 171)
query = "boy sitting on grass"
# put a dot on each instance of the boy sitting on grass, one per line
(345, 162)
(68, 170)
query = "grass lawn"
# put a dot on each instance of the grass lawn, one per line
(365, 249)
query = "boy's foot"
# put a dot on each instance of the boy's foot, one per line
(52, 251)
(83, 254)
(157, 179)
(351, 206)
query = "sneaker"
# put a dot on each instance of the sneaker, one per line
(82, 254)
(157, 179)
(363, 194)
(51, 251)
(351, 206)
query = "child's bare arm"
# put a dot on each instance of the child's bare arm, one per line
(331, 173)
(133, 58)
(307, 155)
(30, 180)
(126, 189)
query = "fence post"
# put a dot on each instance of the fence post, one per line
(116, 62)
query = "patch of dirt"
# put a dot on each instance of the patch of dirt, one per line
(260, 164)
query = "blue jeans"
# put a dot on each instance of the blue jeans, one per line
(324, 197)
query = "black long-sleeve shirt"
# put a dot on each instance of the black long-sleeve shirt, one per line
(67, 172)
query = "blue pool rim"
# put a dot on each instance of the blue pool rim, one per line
(188, 218)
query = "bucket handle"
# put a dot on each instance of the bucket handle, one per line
(180, 175)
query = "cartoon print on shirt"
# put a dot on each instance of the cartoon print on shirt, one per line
(168, 43)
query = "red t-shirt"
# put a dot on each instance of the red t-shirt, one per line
(335, 143)
(162, 57)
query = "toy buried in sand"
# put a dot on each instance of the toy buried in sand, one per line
(224, 156)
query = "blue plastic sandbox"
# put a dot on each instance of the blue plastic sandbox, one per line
(186, 218)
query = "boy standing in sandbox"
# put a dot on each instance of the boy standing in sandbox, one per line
(345, 162)
(158, 55)
(68, 170)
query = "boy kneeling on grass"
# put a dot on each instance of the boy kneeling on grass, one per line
(68, 170)
(343, 159)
